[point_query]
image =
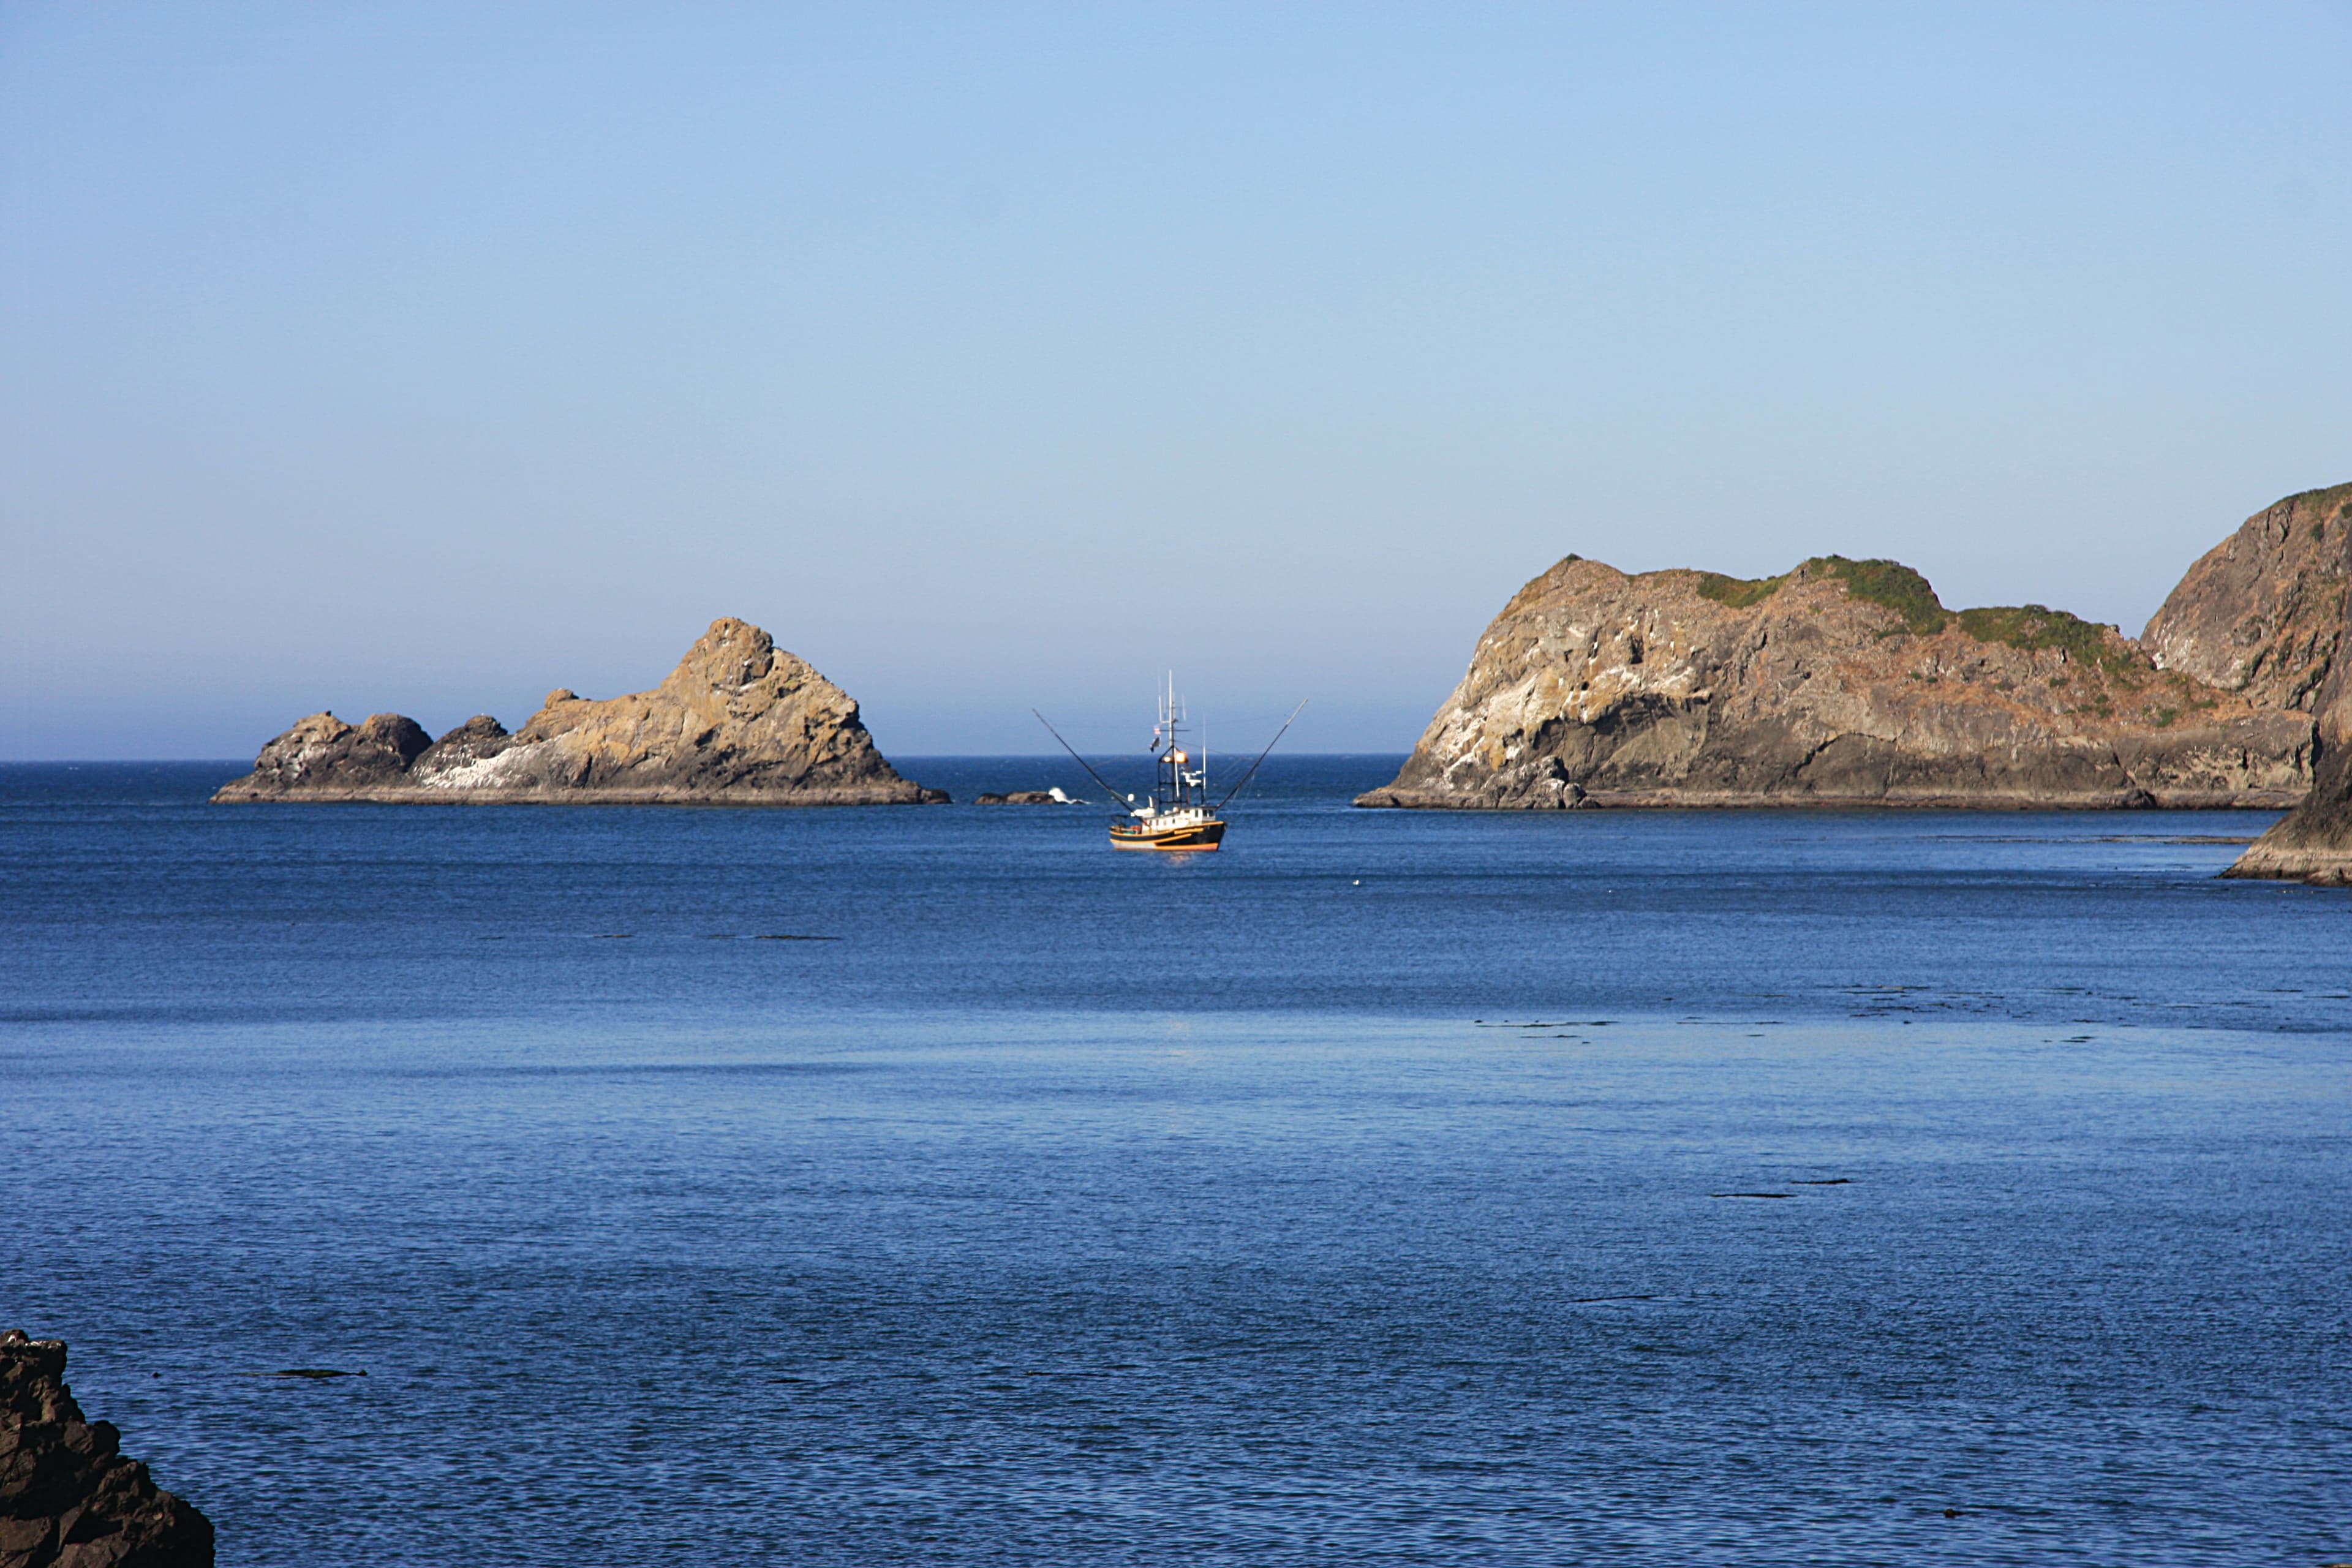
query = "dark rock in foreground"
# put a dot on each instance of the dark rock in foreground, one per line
(67, 1497)
(738, 723)
(1849, 683)
(2312, 843)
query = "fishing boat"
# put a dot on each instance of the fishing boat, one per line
(1177, 814)
(1176, 818)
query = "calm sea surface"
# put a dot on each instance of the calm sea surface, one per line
(1369, 1192)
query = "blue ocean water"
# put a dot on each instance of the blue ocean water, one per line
(932, 1185)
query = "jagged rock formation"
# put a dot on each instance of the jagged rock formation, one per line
(67, 1497)
(1848, 682)
(739, 721)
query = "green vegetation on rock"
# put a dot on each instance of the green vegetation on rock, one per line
(2322, 496)
(2037, 627)
(1739, 592)
(1891, 583)
(1897, 587)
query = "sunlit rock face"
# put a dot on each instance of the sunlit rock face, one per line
(739, 721)
(2312, 843)
(2261, 613)
(1848, 682)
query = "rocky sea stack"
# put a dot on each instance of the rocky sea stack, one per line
(739, 722)
(1849, 682)
(67, 1497)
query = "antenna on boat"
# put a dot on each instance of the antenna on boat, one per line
(1262, 756)
(1114, 798)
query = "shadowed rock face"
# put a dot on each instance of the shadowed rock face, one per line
(1843, 682)
(739, 721)
(2312, 843)
(323, 751)
(67, 1497)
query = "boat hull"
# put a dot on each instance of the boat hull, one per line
(1193, 837)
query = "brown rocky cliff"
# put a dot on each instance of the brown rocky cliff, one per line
(739, 721)
(2312, 843)
(2262, 613)
(67, 1497)
(1840, 682)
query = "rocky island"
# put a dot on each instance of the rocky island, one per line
(67, 1496)
(1849, 682)
(739, 722)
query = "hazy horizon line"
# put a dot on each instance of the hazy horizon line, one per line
(902, 756)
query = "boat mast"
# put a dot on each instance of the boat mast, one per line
(1175, 794)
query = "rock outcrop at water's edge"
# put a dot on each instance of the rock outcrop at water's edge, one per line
(1848, 682)
(739, 722)
(2312, 843)
(67, 1496)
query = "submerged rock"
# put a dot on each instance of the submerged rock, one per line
(67, 1497)
(1849, 682)
(739, 721)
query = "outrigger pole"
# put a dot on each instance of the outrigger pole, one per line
(1262, 756)
(1116, 798)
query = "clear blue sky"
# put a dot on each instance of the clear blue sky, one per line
(426, 357)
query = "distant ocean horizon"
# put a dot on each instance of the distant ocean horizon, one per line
(897, 760)
(868, 1186)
